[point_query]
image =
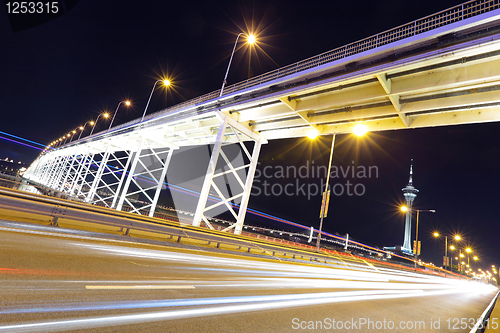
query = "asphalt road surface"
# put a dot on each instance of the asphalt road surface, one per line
(54, 280)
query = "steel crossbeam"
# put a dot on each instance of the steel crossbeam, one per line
(108, 182)
(70, 174)
(147, 174)
(61, 171)
(83, 175)
(213, 173)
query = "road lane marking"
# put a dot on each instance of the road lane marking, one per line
(94, 287)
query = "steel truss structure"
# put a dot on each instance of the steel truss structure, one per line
(241, 134)
(145, 179)
(440, 70)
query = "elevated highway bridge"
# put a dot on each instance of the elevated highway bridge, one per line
(440, 70)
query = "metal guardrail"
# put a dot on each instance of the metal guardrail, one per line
(445, 17)
(54, 209)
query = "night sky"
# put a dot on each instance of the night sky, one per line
(58, 75)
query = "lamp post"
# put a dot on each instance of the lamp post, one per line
(359, 130)
(82, 128)
(323, 203)
(95, 123)
(127, 103)
(404, 209)
(452, 247)
(74, 132)
(251, 41)
(66, 138)
(166, 83)
(456, 237)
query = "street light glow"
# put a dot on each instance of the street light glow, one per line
(452, 247)
(360, 130)
(313, 134)
(436, 234)
(468, 250)
(106, 115)
(404, 208)
(251, 39)
(457, 237)
(127, 103)
(165, 82)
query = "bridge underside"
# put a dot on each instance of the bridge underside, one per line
(446, 75)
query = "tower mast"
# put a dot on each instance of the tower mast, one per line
(410, 193)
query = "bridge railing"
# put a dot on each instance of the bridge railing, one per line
(434, 21)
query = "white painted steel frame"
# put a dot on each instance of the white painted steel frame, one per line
(105, 192)
(97, 178)
(158, 155)
(246, 185)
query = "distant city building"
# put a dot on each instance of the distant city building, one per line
(410, 193)
(9, 167)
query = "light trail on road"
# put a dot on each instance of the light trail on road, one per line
(59, 281)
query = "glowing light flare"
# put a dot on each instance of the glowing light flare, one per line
(457, 237)
(251, 39)
(166, 82)
(468, 250)
(91, 123)
(105, 115)
(312, 134)
(360, 130)
(127, 103)
(404, 208)
(436, 234)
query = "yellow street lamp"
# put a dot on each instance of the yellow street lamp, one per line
(360, 130)
(404, 209)
(74, 132)
(166, 83)
(325, 194)
(436, 234)
(105, 115)
(452, 248)
(82, 128)
(313, 134)
(250, 40)
(127, 103)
